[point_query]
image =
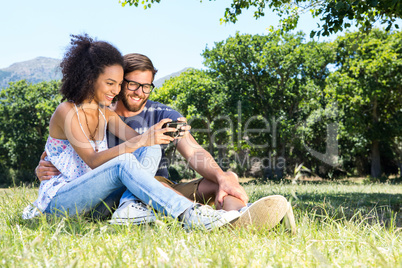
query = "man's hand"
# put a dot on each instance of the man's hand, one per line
(229, 185)
(185, 129)
(203, 163)
(156, 134)
(45, 169)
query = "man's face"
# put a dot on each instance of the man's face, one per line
(134, 101)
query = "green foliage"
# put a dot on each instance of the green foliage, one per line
(25, 111)
(200, 97)
(277, 79)
(367, 87)
(292, 92)
(251, 102)
(336, 15)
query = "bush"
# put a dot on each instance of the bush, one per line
(25, 111)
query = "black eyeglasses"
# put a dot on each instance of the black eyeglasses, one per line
(133, 86)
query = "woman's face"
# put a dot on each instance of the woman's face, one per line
(108, 84)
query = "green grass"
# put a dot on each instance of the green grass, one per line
(344, 225)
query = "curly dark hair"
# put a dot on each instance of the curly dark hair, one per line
(82, 64)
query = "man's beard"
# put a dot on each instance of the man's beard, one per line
(131, 108)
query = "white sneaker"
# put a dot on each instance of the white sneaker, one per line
(205, 217)
(265, 213)
(133, 212)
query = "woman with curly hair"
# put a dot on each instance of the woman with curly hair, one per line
(76, 146)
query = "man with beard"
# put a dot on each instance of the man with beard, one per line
(216, 185)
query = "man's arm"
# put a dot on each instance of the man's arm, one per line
(203, 163)
(45, 169)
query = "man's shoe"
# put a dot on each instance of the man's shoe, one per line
(289, 220)
(204, 217)
(133, 212)
(265, 213)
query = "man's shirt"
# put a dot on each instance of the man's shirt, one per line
(152, 113)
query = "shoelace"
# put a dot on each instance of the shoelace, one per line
(202, 212)
(139, 206)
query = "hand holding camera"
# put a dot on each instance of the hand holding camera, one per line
(178, 125)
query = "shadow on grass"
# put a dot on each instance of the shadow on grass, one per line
(373, 207)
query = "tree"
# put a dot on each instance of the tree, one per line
(275, 78)
(200, 98)
(336, 15)
(25, 111)
(292, 91)
(367, 87)
(256, 93)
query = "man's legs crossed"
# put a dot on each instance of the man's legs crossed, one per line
(198, 190)
(207, 190)
(265, 213)
(203, 191)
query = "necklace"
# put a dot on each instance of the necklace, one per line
(92, 135)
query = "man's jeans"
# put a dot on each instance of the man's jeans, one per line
(133, 171)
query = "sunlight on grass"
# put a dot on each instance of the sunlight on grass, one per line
(338, 225)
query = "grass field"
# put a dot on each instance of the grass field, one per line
(340, 225)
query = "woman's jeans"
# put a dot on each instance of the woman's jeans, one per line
(133, 171)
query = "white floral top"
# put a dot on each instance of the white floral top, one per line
(68, 162)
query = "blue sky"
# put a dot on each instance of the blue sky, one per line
(173, 33)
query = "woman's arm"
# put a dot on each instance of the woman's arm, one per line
(118, 128)
(64, 124)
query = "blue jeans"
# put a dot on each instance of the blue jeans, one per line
(133, 171)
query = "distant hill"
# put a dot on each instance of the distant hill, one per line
(159, 82)
(46, 69)
(34, 71)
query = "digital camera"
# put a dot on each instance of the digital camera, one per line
(174, 124)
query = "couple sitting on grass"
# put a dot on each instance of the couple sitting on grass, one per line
(81, 173)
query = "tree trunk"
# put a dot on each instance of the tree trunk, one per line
(211, 145)
(375, 160)
(375, 148)
(400, 169)
(278, 165)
